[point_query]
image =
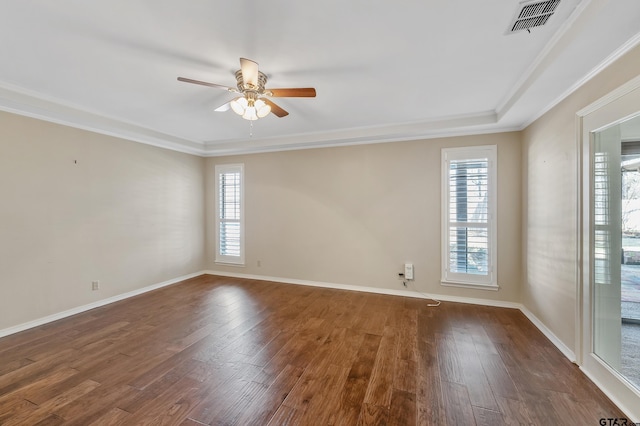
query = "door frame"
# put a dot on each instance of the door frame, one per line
(619, 105)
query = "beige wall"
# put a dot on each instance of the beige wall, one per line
(354, 215)
(76, 206)
(550, 202)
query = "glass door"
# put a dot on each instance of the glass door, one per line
(616, 248)
(608, 338)
(607, 246)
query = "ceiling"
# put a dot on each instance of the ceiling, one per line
(383, 71)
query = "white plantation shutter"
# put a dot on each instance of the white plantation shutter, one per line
(601, 218)
(468, 216)
(229, 214)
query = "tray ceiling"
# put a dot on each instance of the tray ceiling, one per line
(383, 71)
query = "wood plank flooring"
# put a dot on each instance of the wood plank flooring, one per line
(222, 351)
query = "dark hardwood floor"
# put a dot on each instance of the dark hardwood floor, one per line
(224, 351)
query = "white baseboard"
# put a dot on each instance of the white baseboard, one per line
(631, 411)
(392, 292)
(50, 318)
(566, 351)
(387, 291)
(408, 293)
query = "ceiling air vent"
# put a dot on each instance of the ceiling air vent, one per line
(532, 13)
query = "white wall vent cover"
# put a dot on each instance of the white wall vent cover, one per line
(532, 13)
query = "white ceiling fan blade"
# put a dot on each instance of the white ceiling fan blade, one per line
(224, 107)
(249, 71)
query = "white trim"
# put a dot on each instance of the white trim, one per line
(539, 64)
(626, 88)
(490, 287)
(617, 54)
(583, 216)
(566, 351)
(77, 310)
(611, 395)
(392, 292)
(612, 108)
(232, 264)
(580, 255)
(386, 291)
(290, 144)
(29, 103)
(376, 290)
(490, 152)
(223, 258)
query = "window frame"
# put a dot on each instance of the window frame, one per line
(221, 169)
(487, 281)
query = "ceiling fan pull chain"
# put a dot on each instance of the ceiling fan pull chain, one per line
(251, 128)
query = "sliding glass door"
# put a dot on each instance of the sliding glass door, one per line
(607, 245)
(616, 248)
(609, 290)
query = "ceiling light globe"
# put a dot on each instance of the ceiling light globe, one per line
(250, 113)
(262, 108)
(239, 105)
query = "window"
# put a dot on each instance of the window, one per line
(229, 214)
(468, 217)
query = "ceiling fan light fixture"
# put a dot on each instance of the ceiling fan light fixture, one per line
(249, 107)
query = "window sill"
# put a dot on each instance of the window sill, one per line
(223, 263)
(490, 287)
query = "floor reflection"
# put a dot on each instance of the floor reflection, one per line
(630, 296)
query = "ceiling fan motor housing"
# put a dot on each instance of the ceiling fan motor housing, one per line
(248, 87)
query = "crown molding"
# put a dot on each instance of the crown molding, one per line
(541, 62)
(28, 103)
(461, 125)
(18, 100)
(628, 87)
(617, 54)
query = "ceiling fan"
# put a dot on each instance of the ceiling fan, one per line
(254, 102)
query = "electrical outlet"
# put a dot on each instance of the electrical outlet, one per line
(408, 271)
(95, 285)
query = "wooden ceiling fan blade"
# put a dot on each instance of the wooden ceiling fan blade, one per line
(249, 71)
(300, 92)
(275, 109)
(204, 83)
